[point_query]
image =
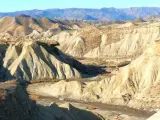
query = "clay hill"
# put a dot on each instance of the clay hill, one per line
(23, 25)
(116, 40)
(36, 60)
(80, 39)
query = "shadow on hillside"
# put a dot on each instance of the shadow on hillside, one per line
(17, 105)
(91, 70)
(5, 74)
(71, 112)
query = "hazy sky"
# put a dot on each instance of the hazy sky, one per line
(16, 5)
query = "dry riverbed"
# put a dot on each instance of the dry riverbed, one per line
(108, 112)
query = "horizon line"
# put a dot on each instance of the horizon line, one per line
(79, 8)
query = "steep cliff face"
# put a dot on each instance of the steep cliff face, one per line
(144, 77)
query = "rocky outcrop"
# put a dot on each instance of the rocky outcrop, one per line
(70, 43)
(37, 60)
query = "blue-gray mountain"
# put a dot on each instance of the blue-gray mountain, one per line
(91, 14)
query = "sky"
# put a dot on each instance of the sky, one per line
(18, 5)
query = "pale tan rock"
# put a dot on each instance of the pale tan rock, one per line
(155, 116)
(30, 60)
(129, 41)
(70, 43)
(136, 85)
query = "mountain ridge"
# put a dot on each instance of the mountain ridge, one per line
(103, 14)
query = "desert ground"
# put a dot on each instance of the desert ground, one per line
(78, 70)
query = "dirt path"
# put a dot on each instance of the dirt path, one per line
(101, 106)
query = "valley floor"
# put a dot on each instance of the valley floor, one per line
(108, 112)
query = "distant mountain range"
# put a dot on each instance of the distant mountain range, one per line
(106, 14)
